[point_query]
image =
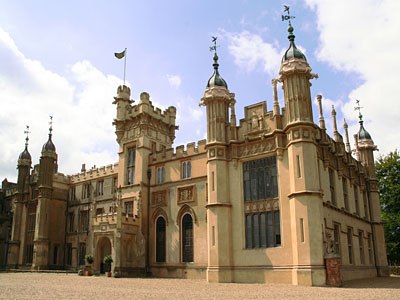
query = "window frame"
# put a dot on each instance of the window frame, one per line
(187, 242)
(160, 244)
(130, 165)
(186, 169)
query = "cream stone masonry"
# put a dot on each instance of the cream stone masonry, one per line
(270, 198)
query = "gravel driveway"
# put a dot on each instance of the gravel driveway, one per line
(72, 286)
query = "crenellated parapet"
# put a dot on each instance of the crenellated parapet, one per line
(94, 173)
(257, 122)
(135, 121)
(179, 152)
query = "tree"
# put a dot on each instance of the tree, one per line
(388, 174)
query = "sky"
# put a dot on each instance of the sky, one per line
(57, 58)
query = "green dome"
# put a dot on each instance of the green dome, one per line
(292, 52)
(362, 133)
(216, 79)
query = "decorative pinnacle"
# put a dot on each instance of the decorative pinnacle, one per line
(358, 107)
(27, 136)
(51, 125)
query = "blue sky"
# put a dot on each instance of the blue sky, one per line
(56, 57)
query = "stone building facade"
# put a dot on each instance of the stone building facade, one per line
(272, 198)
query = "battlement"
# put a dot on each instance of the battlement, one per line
(60, 177)
(145, 105)
(123, 92)
(179, 152)
(95, 173)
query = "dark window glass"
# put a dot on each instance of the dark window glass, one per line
(160, 239)
(187, 238)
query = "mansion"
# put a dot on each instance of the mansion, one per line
(269, 198)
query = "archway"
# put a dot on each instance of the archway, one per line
(103, 249)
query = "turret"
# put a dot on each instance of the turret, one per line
(365, 147)
(301, 160)
(24, 165)
(47, 168)
(295, 74)
(220, 131)
(217, 100)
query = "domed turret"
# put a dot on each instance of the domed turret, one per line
(216, 79)
(292, 52)
(362, 133)
(25, 156)
(49, 146)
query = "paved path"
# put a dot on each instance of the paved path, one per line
(72, 286)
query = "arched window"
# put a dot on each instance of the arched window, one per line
(160, 239)
(187, 238)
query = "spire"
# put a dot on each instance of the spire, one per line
(321, 115)
(25, 154)
(49, 146)
(335, 131)
(292, 52)
(346, 133)
(275, 92)
(216, 79)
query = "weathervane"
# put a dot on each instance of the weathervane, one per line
(27, 135)
(51, 124)
(358, 107)
(288, 16)
(214, 47)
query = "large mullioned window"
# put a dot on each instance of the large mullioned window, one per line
(261, 185)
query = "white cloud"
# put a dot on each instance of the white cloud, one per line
(174, 81)
(362, 37)
(249, 51)
(81, 106)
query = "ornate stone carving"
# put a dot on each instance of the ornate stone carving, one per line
(262, 205)
(186, 194)
(263, 146)
(159, 198)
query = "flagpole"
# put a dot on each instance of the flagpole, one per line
(125, 64)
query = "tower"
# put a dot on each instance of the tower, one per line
(217, 100)
(304, 192)
(22, 195)
(47, 167)
(365, 148)
(141, 129)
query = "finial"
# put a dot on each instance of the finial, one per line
(288, 17)
(321, 115)
(358, 107)
(51, 125)
(27, 136)
(335, 131)
(346, 132)
(214, 48)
